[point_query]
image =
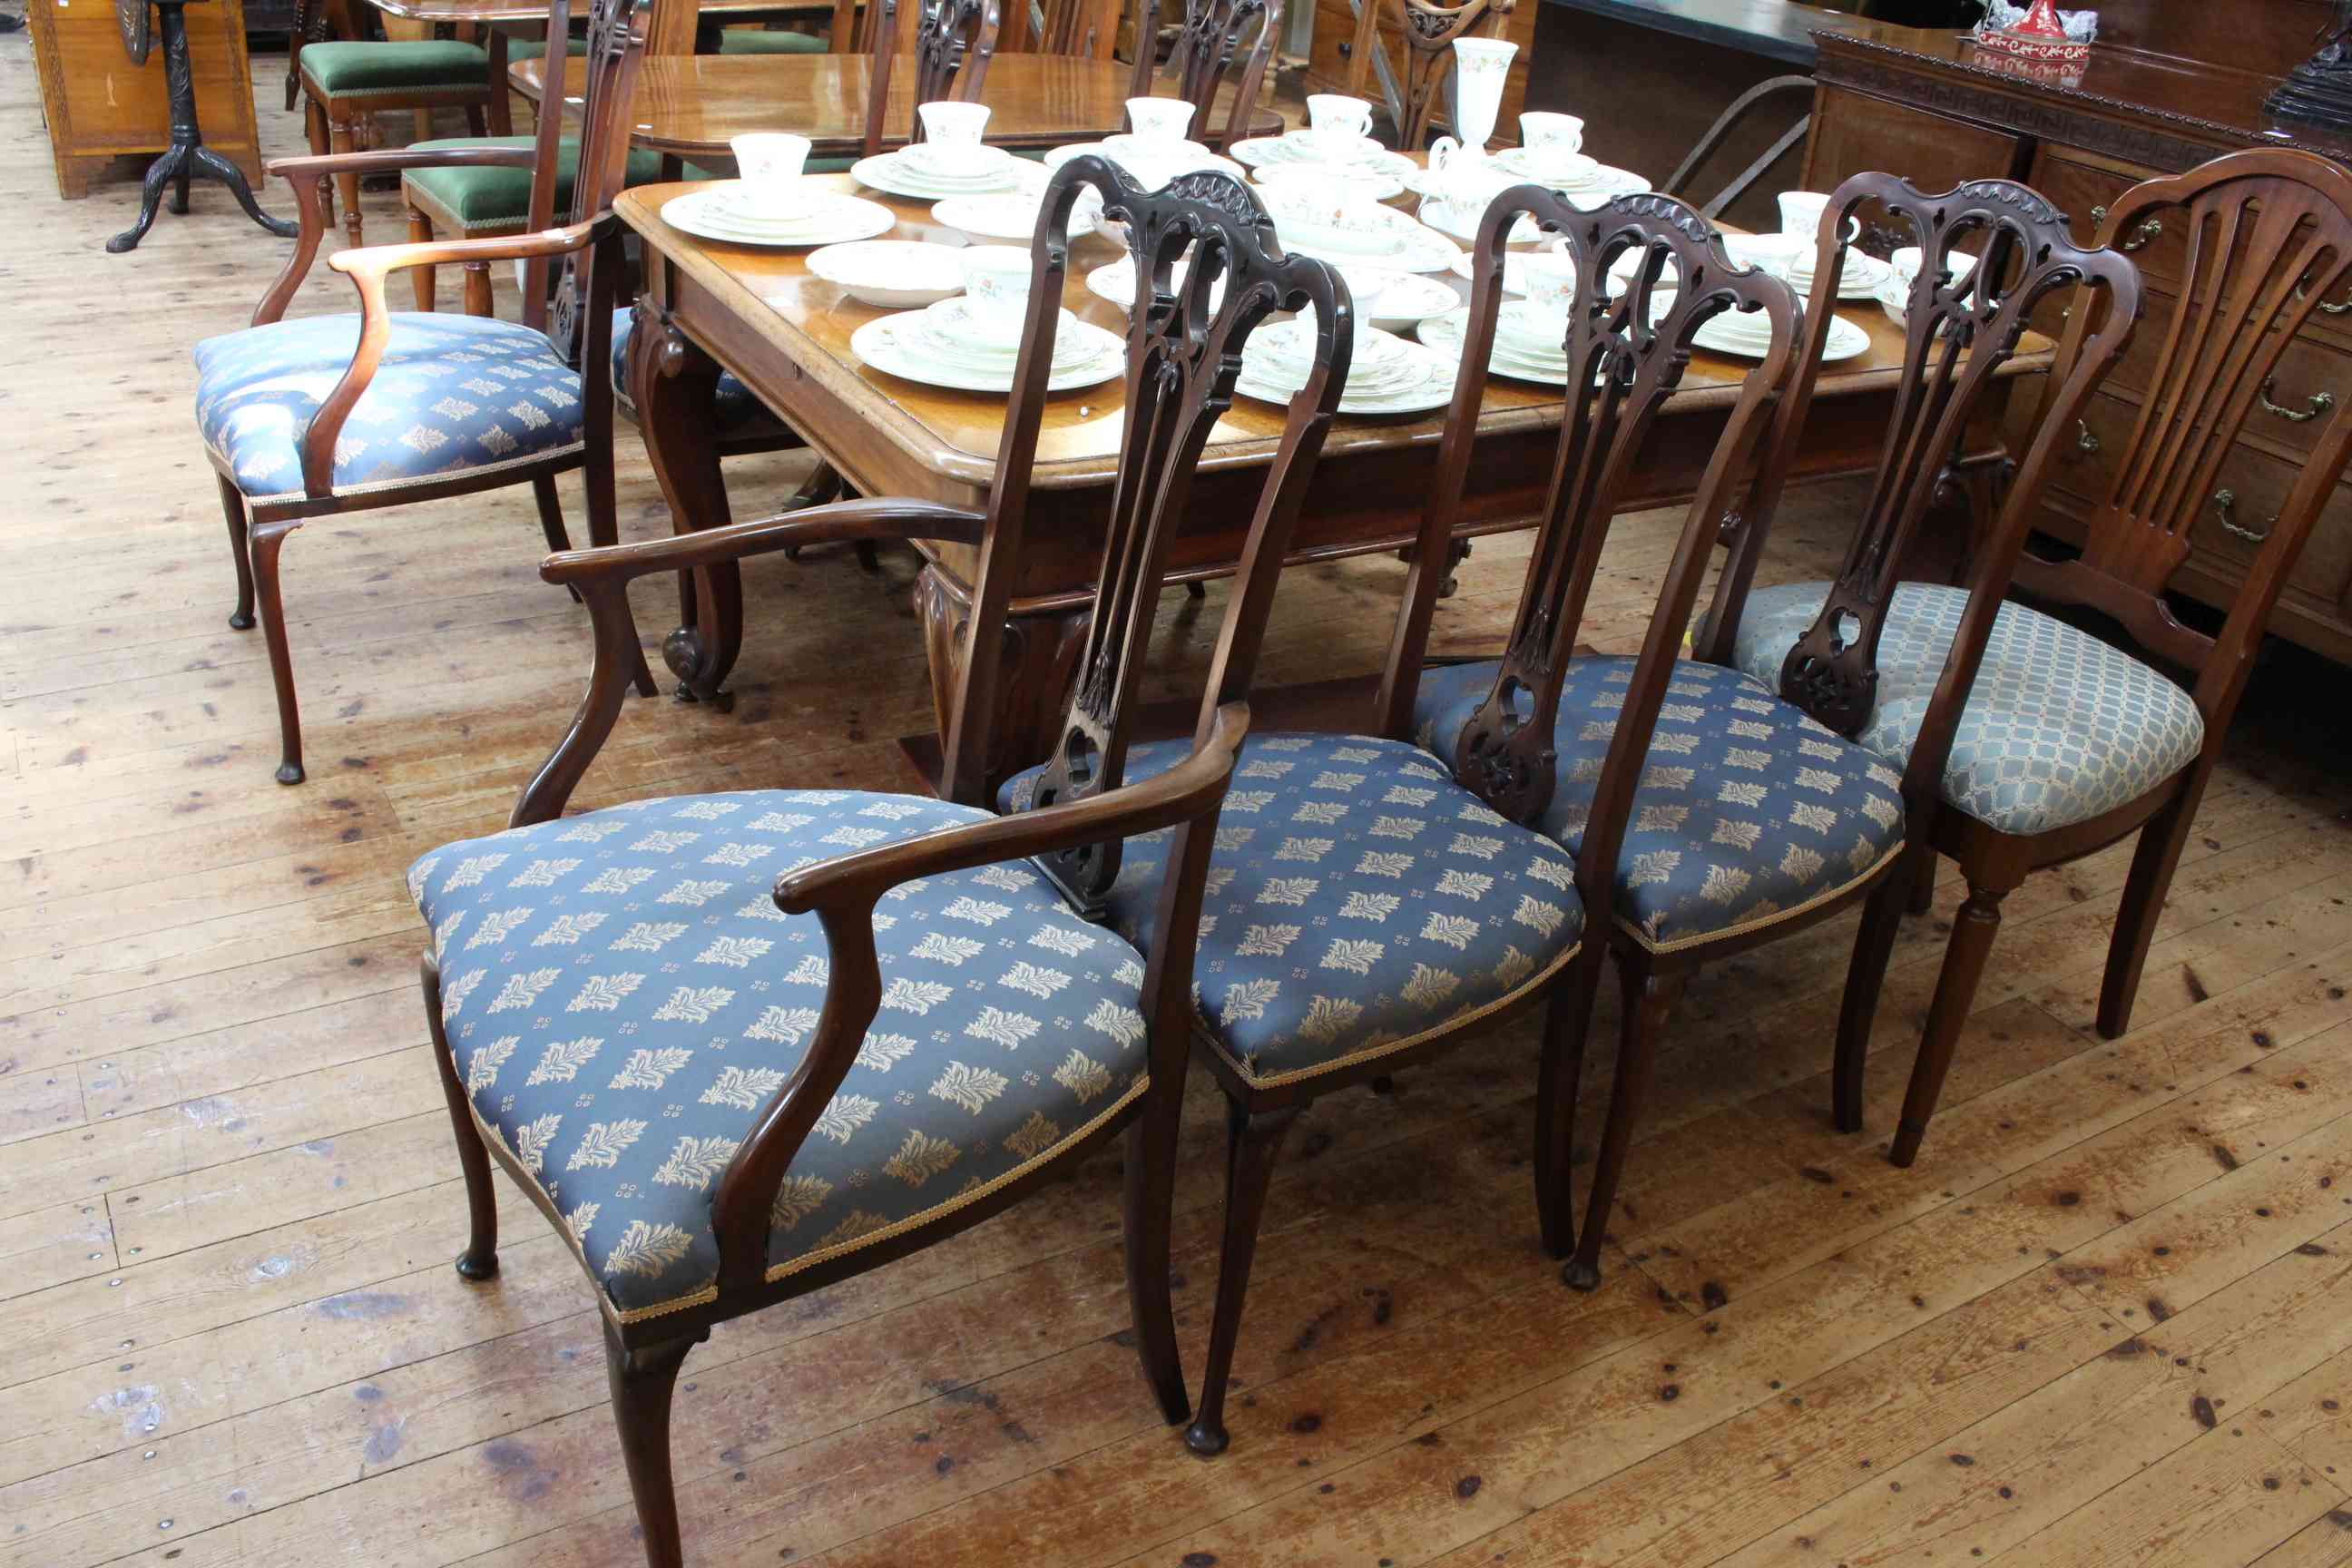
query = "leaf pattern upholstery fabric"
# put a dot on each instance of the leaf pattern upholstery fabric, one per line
(1749, 810)
(622, 995)
(2059, 726)
(453, 394)
(1358, 899)
(732, 403)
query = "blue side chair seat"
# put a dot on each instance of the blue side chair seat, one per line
(2059, 727)
(454, 394)
(621, 996)
(1749, 812)
(736, 407)
(1359, 899)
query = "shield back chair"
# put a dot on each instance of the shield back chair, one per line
(918, 1027)
(1781, 94)
(1214, 38)
(345, 82)
(1367, 906)
(1706, 815)
(2068, 744)
(300, 423)
(1427, 34)
(1080, 28)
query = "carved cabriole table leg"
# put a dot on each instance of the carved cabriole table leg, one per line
(674, 386)
(1032, 686)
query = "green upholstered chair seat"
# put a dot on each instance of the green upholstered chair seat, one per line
(756, 41)
(534, 48)
(490, 201)
(359, 70)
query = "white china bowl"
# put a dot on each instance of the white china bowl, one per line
(896, 274)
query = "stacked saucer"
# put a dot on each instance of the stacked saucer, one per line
(952, 344)
(1361, 153)
(1387, 375)
(1747, 334)
(933, 170)
(1462, 220)
(1346, 232)
(1860, 278)
(1115, 282)
(722, 210)
(1529, 344)
(1151, 160)
(1370, 181)
(1384, 298)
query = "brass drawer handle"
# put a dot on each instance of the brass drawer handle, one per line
(2147, 231)
(2302, 288)
(2224, 501)
(2085, 441)
(2317, 404)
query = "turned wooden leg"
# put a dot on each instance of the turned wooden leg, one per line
(347, 185)
(477, 122)
(2154, 859)
(1973, 930)
(1874, 944)
(1566, 1016)
(266, 540)
(1251, 1144)
(480, 1259)
(421, 280)
(477, 276)
(1648, 999)
(232, 507)
(1151, 1206)
(643, 1381)
(314, 126)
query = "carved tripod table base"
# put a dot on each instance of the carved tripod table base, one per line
(187, 156)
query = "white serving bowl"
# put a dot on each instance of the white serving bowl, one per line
(896, 274)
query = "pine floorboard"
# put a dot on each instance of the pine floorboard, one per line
(2106, 1320)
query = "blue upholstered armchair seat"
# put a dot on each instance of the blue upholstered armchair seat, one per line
(735, 406)
(2059, 726)
(1748, 811)
(622, 995)
(1358, 899)
(453, 394)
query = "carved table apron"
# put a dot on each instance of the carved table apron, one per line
(757, 315)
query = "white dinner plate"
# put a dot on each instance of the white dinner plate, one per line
(852, 218)
(885, 172)
(1258, 150)
(896, 345)
(1012, 217)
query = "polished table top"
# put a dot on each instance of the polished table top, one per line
(529, 11)
(690, 105)
(955, 435)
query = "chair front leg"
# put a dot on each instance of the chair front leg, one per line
(1568, 1015)
(1874, 945)
(240, 551)
(479, 1261)
(1973, 930)
(268, 538)
(1151, 1206)
(477, 276)
(347, 185)
(421, 280)
(1649, 998)
(1252, 1141)
(643, 1381)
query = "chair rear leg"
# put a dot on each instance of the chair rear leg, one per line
(1150, 1207)
(1649, 998)
(2154, 859)
(421, 280)
(480, 1259)
(1874, 944)
(1922, 894)
(1973, 930)
(267, 540)
(643, 1381)
(1567, 1016)
(1252, 1141)
(232, 507)
(347, 185)
(476, 275)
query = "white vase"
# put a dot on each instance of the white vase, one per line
(1480, 65)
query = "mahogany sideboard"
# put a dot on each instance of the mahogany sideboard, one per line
(1926, 104)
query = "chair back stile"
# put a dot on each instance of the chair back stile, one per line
(1183, 355)
(1962, 328)
(2267, 234)
(954, 42)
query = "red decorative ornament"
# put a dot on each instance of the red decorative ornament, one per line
(2038, 37)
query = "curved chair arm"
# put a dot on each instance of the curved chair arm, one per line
(842, 893)
(367, 268)
(602, 578)
(304, 174)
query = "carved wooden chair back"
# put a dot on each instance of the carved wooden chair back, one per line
(1428, 33)
(954, 42)
(1217, 35)
(2265, 238)
(1633, 348)
(1964, 319)
(1081, 27)
(1184, 351)
(617, 45)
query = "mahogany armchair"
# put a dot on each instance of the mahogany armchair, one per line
(887, 1020)
(2045, 742)
(299, 423)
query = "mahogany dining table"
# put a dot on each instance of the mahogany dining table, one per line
(759, 314)
(687, 106)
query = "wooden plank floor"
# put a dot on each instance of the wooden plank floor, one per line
(2106, 1320)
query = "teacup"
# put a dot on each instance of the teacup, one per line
(1548, 278)
(1547, 129)
(771, 163)
(1338, 124)
(1767, 252)
(1801, 213)
(952, 136)
(996, 286)
(1159, 119)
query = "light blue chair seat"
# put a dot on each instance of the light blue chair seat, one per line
(621, 996)
(453, 394)
(2059, 726)
(736, 407)
(1358, 899)
(1748, 811)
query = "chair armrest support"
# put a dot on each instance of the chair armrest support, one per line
(842, 893)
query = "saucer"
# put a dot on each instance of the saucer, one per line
(889, 172)
(896, 346)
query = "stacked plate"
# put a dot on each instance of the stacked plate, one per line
(1369, 181)
(1115, 282)
(945, 344)
(1301, 146)
(1860, 278)
(1747, 334)
(1391, 301)
(935, 171)
(1462, 221)
(1386, 376)
(1013, 217)
(1529, 345)
(1152, 162)
(719, 211)
(1364, 234)
(1546, 165)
